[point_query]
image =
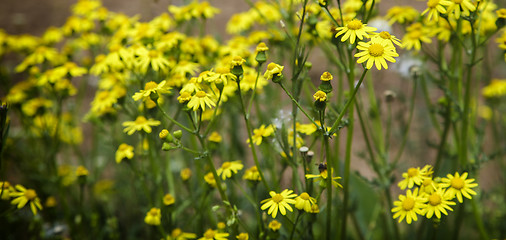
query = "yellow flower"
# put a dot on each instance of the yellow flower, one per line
(22, 196)
(413, 176)
(154, 58)
(354, 29)
(320, 96)
(151, 88)
(323, 178)
(168, 199)
(279, 201)
(434, 8)
(237, 61)
(307, 129)
(389, 37)
(200, 100)
(437, 203)
(184, 97)
(178, 234)
(153, 217)
(260, 133)
(261, 47)
(304, 202)
(209, 178)
(496, 88)
(274, 225)
(81, 171)
(461, 7)
(215, 137)
(185, 174)
(50, 202)
(242, 236)
(501, 13)
(272, 69)
(375, 52)
(458, 185)
(141, 123)
(409, 206)
(227, 168)
(326, 76)
(124, 151)
(401, 14)
(214, 235)
(5, 190)
(249, 80)
(252, 174)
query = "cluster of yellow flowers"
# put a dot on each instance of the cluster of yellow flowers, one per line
(429, 196)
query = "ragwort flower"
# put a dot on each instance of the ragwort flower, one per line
(141, 123)
(409, 206)
(227, 168)
(458, 185)
(375, 52)
(279, 201)
(151, 88)
(214, 235)
(305, 202)
(200, 100)
(437, 203)
(153, 217)
(252, 174)
(434, 8)
(414, 176)
(22, 196)
(124, 151)
(354, 29)
(260, 133)
(178, 234)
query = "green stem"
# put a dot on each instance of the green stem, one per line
(250, 137)
(295, 224)
(410, 118)
(329, 186)
(173, 120)
(341, 115)
(298, 105)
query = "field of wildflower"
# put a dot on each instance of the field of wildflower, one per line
(309, 119)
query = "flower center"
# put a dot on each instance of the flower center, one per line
(30, 194)
(355, 24)
(153, 54)
(412, 172)
(304, 196)
(226, 165)
(222, 70)
(277, 198)
(426, 182)
(201, 94)
(385, 35)
(209, 234)
(176, 232)
(140, 120)
(415, 34)
(432, 3)
(150, 85)
(153, 212)
(457, 183)
(408, 204)
(376, 50)
(434, 199)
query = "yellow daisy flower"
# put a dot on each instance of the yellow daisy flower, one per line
(415, 35)
(252, 174)
(437, 203)
(153, 217)
(389, 37)
(320, 96)
(411, 177)
(214, 235)
(185, 174)
(124, 151)
(141, 123)
(151, 88)
(401, 14)
(168, 199)
(260, 133)
(304, 202)
(215, 137)
(496, 88)
(178, 234)
(354, 29)
(154, 58)
(22, 196)
(461, 7)
(209, 178)
(242, 236)
(273, 69)
(227, 168)
(323, 178)
(409, 206)
(458, 185)
(200, 100)
(279, 201)
(274, 225)
(5, 190)
(375, 52)
(434, 8)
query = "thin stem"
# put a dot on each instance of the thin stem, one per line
(410, 118)
(341, 115)
(298, 105)
(295, 224)
(173, 120)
